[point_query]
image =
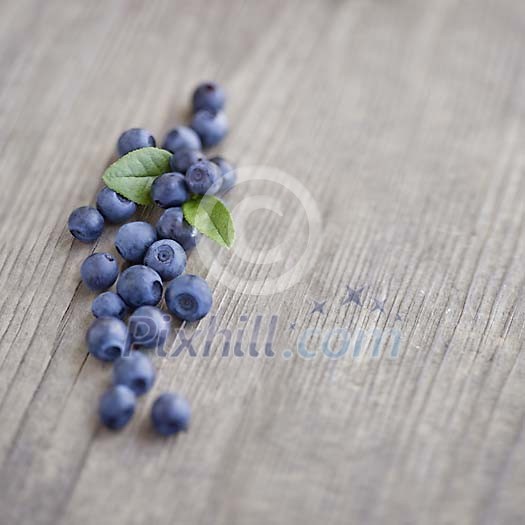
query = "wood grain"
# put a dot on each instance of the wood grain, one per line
(405, 122)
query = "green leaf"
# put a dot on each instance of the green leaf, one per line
(133, 174)
(211, 217)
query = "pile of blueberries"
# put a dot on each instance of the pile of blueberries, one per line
(156, 255)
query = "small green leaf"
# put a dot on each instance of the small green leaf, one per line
(133, 174)
(211, 217)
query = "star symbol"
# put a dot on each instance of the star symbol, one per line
(379, 305)
(353, 296)
(398, 317)
(291, 327)
(318, 307)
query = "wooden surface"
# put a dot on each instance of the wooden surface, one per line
(405, 121)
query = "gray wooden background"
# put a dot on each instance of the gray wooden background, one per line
(404, 119)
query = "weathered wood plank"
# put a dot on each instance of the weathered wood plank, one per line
(404, 122)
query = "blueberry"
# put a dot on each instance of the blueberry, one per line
(134, 138)
(149, 327)
(167, 258)
(86, 224)
(228, 174)
(211, 126)
(184, 158)
(203, 177)
(139, 285)
(188, 297)
(172, 225)
(134, 239)
(136, 371)
(169, 190)
(182, 138)
(171, 413)
(99, 271)
(108, 304)
(117, 407)
(114, 207)
(106, 338)
(208, 95)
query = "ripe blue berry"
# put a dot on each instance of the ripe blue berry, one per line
(149, 327)
(139, 285)
(203, 177)
(134, 138)
(114, 207)
(107, 338)
(167, 258)
(134, 239)
(182, 138)
(182, 159)
(169, 190)
(86, 224)
(188, 297)
(108, 304)
(172, 225)
(228, 174)
(208, 96)
(170, 414)
(211, 126)
(136, 371)
(117, 407)
(99, 271)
